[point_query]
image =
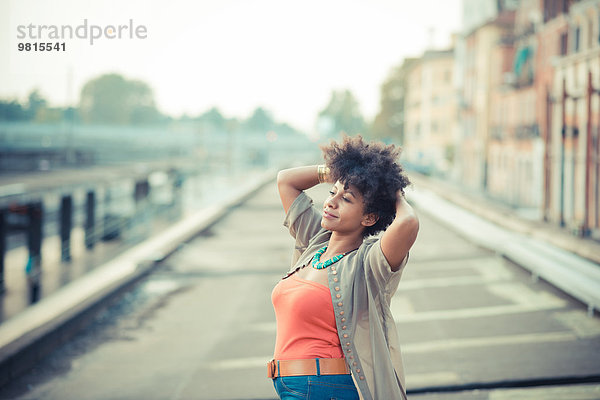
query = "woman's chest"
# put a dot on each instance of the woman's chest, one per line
(316, 275)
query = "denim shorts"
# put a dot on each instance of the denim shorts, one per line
(313, 387)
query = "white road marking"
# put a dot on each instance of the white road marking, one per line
(485, 267)
(160, 286)
(437, 378)
(523, 300)
(579, 322)
(415, 284)
(241, 363)
(402, 305)
(516, 292)
(444, 265)
(478, 312)
(495, 270)
(468, 343)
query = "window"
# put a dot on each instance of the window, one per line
(563, 44)
(553, 8)
(576, 39)
(548, 10)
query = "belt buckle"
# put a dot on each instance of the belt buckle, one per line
(271, 369)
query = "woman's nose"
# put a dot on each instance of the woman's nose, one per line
(331, 202)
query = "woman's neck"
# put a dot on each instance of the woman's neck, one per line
(339, 243)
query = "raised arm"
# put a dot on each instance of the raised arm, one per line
(291, 182)
(399, 237)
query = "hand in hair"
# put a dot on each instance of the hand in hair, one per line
(401, 234)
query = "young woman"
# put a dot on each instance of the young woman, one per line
(336, 336)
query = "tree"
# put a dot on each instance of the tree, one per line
(389, 122)
(214, 118)
(113, 99)
(36, 110)
(36, 105)
(260, 120)
(12, 111)
(342, 114)
(285, 129)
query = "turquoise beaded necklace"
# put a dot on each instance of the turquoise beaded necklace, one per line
(316, 264)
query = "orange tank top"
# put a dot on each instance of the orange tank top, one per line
(305, 320)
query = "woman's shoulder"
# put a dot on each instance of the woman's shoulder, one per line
(359, 255)
(368, 244)
(370, 253)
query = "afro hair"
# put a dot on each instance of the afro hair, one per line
(373, 169)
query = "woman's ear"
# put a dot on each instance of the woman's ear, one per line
(370, 219)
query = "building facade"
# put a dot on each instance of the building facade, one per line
(516, 148)
(574, 145)
(482, 73)
(516, 113)
(430, 110)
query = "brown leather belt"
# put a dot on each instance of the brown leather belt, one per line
(309, 366)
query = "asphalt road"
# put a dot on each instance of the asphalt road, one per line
(202, 326)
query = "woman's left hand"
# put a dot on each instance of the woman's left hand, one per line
(399, 237)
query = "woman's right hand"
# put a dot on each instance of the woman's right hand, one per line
(291, 182)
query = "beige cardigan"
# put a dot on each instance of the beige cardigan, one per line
(361, 285)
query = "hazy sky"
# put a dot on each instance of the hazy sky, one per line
(234, 54)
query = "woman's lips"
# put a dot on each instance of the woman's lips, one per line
(328, 215)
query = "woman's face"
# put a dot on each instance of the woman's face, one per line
(343, 210)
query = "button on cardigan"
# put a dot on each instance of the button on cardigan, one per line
(361, 286)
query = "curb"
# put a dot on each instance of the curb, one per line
(32, 334)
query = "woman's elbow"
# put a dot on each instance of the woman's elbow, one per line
(407, 226)
(282, 177)
(414, 226)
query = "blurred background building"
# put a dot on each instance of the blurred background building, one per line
(512, 110)
(430, 111)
